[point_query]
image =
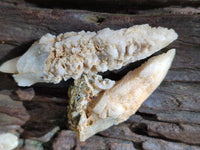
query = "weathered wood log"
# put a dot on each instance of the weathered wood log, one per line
(170, 118)
(117, 6)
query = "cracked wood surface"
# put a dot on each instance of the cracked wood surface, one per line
(169, 119)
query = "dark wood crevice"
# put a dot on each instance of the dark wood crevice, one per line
(112, 6)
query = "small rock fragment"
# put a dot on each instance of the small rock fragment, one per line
(32, 145)
(8, 141)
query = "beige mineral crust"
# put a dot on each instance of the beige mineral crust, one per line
(69, 55)
(118, 103)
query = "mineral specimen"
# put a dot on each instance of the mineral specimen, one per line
(92, 113)
(96, 103)
(69, 55)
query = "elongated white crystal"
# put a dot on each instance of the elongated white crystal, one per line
(118, 103)
(69, 55)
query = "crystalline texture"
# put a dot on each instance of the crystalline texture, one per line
(69, 55)
(118, 103)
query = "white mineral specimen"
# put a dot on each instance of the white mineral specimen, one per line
(69, 55)
(8, 141)
(97, 103)
(118, 103)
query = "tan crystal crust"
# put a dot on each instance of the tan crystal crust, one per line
(118, 103)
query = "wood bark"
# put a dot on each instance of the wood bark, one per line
(114, 6)
(169, 118)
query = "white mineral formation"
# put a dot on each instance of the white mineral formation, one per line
(8, 141)
(97, 103)
(118, 103)
(69, 55)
